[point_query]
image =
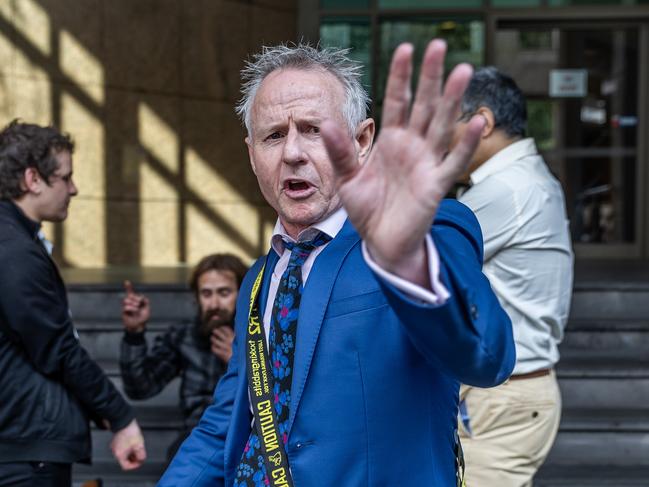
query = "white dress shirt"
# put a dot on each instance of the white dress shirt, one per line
(528, 254)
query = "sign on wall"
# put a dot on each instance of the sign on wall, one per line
(568, 83)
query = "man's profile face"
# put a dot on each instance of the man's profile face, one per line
(217, 296)
(57, 192)
(286, 150)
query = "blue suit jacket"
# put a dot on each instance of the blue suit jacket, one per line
(376, 374)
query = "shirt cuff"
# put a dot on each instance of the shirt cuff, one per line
(438, 295)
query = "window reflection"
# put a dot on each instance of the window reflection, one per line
(463, 36)
(352, 32)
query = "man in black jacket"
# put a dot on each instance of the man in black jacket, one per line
(49, 386)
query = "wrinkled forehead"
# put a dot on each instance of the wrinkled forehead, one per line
(314, 91)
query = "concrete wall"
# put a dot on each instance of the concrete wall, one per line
(147, 90)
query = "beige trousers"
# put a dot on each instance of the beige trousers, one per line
(513, 428)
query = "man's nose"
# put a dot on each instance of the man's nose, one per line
(293, 147)
(73, 189)
(212, 303)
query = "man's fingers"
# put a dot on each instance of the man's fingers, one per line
(223, 332)
(128, 447)
(136, 456)
(134, 302)
(396, 102)
(442, 126)
(458, 160)
(429, 86)
(223, 336)
(130, 308)
(140, 454)
(340, 148)
(128, 287)
(133, 299)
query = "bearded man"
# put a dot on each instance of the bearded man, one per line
(198, 353)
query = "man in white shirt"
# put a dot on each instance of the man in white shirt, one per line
(507, 431)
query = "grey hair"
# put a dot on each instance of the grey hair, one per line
(497, 91)
(304, 56)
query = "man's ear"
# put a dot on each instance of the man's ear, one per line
(490, 121)
(364, 139)
(250, 156)
(32, 181)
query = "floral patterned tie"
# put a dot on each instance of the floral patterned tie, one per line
(251, 471)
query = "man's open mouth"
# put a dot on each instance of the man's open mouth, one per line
(298, 188)
(297, 185)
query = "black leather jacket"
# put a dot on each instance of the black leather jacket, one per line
(180, 351)
(49, 386)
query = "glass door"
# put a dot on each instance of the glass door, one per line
(584, 90)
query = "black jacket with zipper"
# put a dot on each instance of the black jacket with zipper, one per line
(49, 385)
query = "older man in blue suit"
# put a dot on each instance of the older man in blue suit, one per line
(356, 329)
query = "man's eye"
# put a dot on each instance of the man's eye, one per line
(274, 136)
(314, 130)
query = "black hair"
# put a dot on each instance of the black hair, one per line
(497, 91)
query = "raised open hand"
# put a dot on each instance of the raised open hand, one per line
(392, 199)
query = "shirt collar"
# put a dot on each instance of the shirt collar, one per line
(32, 227)
(504, 157)
(329, 226)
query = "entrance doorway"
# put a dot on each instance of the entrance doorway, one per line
(586, 83)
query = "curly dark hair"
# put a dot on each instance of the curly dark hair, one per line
(24, 145)
(218, 262)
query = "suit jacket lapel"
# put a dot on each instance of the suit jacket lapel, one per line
(313, 306)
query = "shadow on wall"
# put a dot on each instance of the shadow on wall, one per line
(147, 89)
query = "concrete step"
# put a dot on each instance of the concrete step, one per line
(614, 304)
(591, 476)
(103, 302)
(614, 448)
(604, 421)
(103, 342)
(620, 324)
(608, 393)
(112, 476)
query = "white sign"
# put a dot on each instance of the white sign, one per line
(571, 83)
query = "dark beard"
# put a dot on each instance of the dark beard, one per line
(210, 321)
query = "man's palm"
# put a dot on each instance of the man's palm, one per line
(392, 199)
